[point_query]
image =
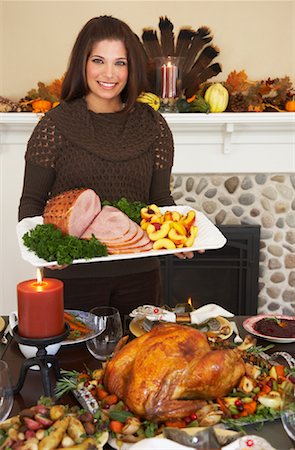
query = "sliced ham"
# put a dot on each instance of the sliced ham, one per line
(78, 212)
(144, 248)
(127, 242)
(72, 211)
(129, 236)
(108, 225)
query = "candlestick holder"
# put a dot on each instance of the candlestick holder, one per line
(168, 81)
(42, 359)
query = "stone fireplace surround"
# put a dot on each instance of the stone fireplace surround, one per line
(238, 168)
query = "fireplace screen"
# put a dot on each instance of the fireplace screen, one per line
(228, 276)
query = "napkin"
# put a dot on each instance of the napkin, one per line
(198, 316)
(158, 444)
(243, 443)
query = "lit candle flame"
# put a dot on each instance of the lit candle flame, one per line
(190, 302)
(39, 275)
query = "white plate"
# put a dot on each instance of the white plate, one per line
(88, 319)
(119, 445)
(249, 323)
(208, 238)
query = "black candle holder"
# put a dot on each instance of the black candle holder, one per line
(42, 359)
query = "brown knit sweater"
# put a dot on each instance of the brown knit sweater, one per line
(115, 154)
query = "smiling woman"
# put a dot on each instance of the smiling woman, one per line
(101, 138)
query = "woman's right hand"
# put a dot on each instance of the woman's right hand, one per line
(57, 267)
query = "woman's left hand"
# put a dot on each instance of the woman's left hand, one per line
(187, 255)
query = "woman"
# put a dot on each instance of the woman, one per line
(99, 137)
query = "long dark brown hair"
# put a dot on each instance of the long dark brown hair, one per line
(98, 29)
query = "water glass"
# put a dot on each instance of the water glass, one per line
(6, 394)
(109, 320)
(288, 408)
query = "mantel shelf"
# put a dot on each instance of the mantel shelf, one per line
(206, 143)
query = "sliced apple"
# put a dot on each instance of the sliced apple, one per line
(168, 216)
(153, 227)
(189, 219)
(164, 243)
(191, 239)
(149, 211)
(157, 218)
(179, 227)
(161, 233)
(176, 216)
(176, 237)
(144, 224)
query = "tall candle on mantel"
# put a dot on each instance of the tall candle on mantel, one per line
(40, 307)
(169, 74)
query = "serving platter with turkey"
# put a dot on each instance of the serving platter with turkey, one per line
(173, 376)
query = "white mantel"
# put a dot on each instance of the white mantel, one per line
(207, 143)
(213, 143)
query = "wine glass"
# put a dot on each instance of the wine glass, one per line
(6, 394)
(109, 320)
(288, 408)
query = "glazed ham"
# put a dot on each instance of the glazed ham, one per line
(169, 372)
(72, 211)
(79, 213)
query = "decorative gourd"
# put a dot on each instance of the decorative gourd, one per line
(41, 106)
(151, 99)
(217, 97)
(290, 105)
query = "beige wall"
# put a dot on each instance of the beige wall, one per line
(36, 36)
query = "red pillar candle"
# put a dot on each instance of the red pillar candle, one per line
(40, 308)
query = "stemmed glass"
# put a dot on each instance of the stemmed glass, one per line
(109, 320)
(288, 408)
(6, 394)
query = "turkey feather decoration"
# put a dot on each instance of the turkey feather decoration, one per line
(191, 47)
(167, 36)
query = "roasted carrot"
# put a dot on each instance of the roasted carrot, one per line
(280, 370)
(101, 393)
(76, 324)
(116, 426)
(222, 405)
(249, 408)
(176, 423)
(265, 389)
(110, 399)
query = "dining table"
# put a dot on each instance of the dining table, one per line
(77, 357)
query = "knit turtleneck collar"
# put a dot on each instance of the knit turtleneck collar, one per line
(114, 136)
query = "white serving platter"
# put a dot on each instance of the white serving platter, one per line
(209, 237)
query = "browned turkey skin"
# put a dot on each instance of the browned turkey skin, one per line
(170, 371)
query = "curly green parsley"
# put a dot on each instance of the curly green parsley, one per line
(48, 242)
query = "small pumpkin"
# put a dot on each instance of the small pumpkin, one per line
(217, 96)
(290, 105)
(41, 106)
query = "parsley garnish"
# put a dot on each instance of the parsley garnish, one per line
(49, 243)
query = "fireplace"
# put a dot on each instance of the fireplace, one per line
(227, 276)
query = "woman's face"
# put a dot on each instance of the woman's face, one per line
(106, 75)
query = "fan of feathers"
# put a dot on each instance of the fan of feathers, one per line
(191, 47)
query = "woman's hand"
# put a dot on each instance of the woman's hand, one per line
(57, 267)
(187, 255)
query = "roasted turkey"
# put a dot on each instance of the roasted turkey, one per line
(170, 371)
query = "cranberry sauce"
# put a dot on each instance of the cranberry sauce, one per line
(272, 326)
